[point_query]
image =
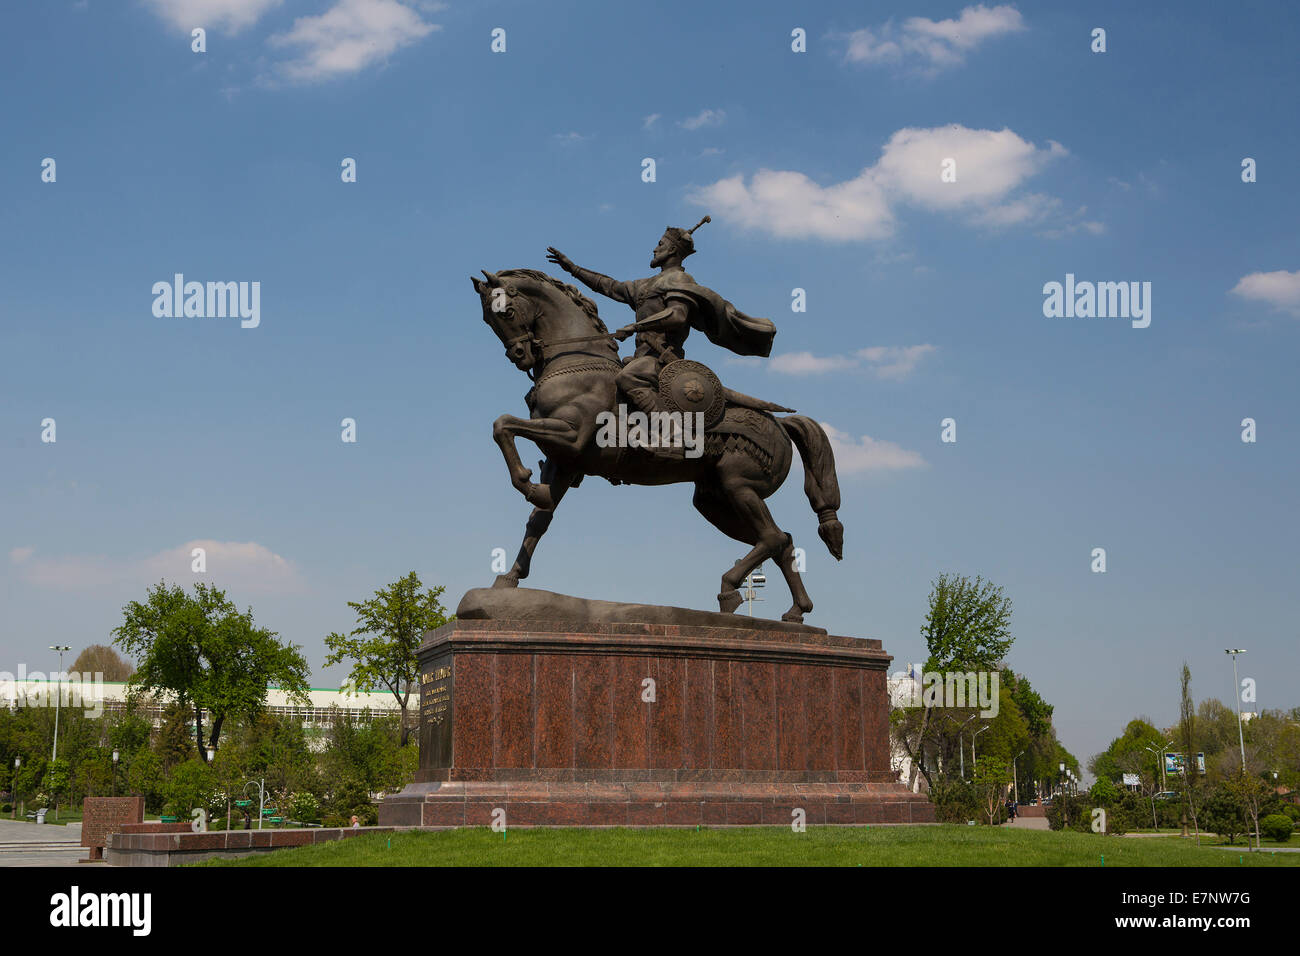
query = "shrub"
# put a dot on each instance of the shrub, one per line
(954, 801)
(1276, 826)
(304, 807)
(192, 785)
(1292, 811)
(1221, 813)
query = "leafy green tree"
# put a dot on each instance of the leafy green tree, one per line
(967, 627)
(192, 785)
(1190, 779)
(147, 778)
(992, 777)
(103, 660)
(207, 654)
(174, 744)
(1103, 793)
(368, 753)
(1129, 753)
(1222, 813)
(382, 648)
(1250, 792)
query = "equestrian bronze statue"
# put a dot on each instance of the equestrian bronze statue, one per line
(742, 451)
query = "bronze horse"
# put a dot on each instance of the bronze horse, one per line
(554, 333)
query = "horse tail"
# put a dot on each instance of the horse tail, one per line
(819, 481)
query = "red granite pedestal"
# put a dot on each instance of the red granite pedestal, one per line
(627, 724)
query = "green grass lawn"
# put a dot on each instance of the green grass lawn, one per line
(757, 846)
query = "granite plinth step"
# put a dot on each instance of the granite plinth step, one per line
(538, 804)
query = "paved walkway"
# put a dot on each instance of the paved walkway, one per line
(1028, 823)
(31, 844)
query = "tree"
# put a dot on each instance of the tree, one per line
(384, 645)
(968, 628)
(1221, 812)
(1190, 778)
(103, 660)
(207, 654)
(1250, 793)
(991, 779)
(1129, 752)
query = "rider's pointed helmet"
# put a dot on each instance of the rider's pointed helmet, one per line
(681, 238)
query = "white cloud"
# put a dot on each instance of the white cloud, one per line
(938, 44)
(650, 120)
(805, 363)
(348, 37)
(989, 164)
(894, 362)
(788, 204)
(1279, 289)
(242, 567)
(889, 362)
(866, 454)
(228, 15)
(704, 118)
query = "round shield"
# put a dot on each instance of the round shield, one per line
(686, 386)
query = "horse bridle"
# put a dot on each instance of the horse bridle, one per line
(540, 346)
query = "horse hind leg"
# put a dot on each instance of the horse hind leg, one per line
(717, 510)
(772, 543)
(802, 602)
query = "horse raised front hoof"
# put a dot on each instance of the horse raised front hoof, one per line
(539, 496)
(728, 601)
(506, 581)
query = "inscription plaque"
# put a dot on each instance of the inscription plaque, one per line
(437, 685)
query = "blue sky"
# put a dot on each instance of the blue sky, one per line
(820, 170)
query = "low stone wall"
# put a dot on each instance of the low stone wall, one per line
(149, 847)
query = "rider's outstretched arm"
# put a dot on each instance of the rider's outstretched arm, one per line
(598, 282)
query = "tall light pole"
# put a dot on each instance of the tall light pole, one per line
(961, 743)
(59, 699)
(1015, 779)
(754, 579)
(1236, 697)
(1160, 765)
(18, 762)
(973, 738)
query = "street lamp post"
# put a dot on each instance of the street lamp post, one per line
(59, 699)
(961, 743)
(975, 736)
(18, 762)
(1160, 763)
(116, 755)
(754, 579)
(261, 798)
(1065, 807)
(1236, 697)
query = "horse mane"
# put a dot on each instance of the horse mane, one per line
(580, 300)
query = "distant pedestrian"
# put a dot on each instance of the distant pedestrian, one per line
(356, 822)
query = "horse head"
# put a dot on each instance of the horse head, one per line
(528, 309)
(509, 311)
